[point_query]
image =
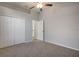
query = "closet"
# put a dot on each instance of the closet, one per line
(15, 27)
(12, 31)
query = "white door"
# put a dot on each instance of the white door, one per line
(19, 29)
(40, 30)
(6, 32)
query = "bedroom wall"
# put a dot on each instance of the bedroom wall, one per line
(62, 24)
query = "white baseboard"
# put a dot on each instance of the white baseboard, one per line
(62, 45)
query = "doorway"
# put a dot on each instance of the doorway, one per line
(37, 30)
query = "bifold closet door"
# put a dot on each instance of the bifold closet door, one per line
(6, 31)
(12, 31)
(19, 30)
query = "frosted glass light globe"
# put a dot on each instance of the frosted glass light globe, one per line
(39, 5)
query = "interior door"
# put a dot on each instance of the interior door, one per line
(19, 30)
(6, 32)
(40, 30)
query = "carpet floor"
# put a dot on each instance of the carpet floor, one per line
(37, 49)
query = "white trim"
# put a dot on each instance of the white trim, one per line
(62, 45)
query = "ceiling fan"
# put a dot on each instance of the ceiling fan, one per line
(41, 5)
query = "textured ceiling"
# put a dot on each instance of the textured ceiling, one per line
(21, 5)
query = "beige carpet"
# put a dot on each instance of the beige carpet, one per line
(37, 49)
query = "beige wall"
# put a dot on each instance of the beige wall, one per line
(62, 24)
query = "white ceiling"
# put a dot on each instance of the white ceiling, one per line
(22, 5)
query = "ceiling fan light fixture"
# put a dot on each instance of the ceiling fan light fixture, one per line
(39, 5)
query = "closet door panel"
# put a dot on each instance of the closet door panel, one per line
(5, 32)
(19, 30)
(11, 31)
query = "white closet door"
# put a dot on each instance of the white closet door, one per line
(11, 31)
(19, 30)
(5, 32)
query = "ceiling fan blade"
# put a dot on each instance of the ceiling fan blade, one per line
(49, 5)
(31, 7)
